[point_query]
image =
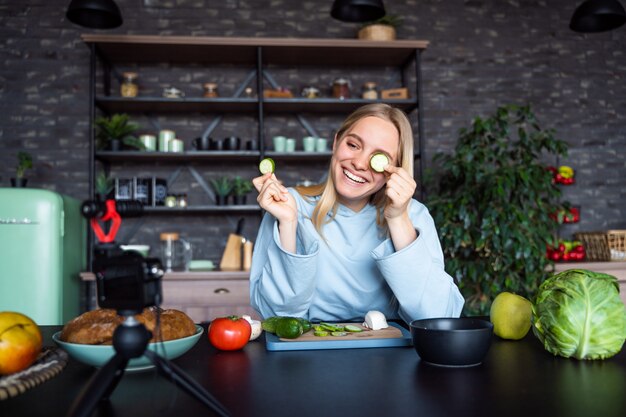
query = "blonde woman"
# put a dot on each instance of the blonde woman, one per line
(359, 241)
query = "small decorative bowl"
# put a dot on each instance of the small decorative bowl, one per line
(452, 341)
(99, 355)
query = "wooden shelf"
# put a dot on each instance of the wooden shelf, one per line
(177, 157)
(238, 51)
(202, 209)
(233, 105)
(191, 276)
(182, 105)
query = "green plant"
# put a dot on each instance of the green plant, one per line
(388, 19)
(104, 185)
(24, 162)
(116, 127)
(492, 202)
(241, 186)
(222, 186)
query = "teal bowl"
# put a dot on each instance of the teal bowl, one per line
(98, 355)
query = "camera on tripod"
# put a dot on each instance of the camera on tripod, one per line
(126, 281)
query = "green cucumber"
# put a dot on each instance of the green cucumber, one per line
(379, 161)
(352, 328)
(266, 165)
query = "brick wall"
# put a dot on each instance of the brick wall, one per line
(483, 54)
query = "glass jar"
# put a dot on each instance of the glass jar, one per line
(210, 90)
(129, 88)
(341, 88)
(181, 200)
(369, 91)
(170, 201)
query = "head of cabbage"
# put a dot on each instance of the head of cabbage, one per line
(579, 313)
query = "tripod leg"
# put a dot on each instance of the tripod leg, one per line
(99, 387)
(179, 377)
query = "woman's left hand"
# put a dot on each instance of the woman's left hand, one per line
(400, 189)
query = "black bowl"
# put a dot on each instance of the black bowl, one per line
(452, 341)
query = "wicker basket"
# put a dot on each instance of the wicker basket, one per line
(377, 33)
(604, 246)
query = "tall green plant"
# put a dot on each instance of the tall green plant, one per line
(492, 201)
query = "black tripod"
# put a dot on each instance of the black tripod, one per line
(130, 340)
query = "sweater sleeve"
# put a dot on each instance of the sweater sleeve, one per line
(282, 283)
(416, 273)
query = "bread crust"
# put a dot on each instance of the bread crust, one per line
(96, 327)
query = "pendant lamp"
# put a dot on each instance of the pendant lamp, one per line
(598, 16)
(96, 14)
(357, 10)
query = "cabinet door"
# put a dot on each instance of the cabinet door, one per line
(204, 300)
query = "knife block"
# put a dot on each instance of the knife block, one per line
(231, 258)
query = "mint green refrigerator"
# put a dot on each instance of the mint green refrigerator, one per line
(42, 251)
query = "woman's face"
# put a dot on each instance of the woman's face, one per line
(355, 181)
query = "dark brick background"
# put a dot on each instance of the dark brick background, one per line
(483, 54)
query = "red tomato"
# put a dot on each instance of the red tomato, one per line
(229, 333)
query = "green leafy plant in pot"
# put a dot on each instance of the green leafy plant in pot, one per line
(116, 131)
(24, 162)
(222, 187)
(241, 187)
(491, 201)
(103, 186)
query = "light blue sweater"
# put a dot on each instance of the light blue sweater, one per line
(355, 270)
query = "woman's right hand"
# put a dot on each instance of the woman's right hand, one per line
(275, 199)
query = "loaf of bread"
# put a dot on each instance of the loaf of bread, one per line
(96, 327)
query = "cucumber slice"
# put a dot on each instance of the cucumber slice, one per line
(338, 334)
(352, 329)
(321, 333)
(378, 161)
(266, 165)
(331, 327)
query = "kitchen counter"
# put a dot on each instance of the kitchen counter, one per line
(516, 379)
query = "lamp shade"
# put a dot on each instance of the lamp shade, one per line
(97, 14)
(357, 10)
(598, 16)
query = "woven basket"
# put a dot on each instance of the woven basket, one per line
(604, 246)
(377, 33)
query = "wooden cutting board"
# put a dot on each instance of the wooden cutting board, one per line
(393, 336)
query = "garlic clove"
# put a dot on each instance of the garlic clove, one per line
(255, 325)
(375, 320)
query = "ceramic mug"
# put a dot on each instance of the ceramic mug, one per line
(279, 143)
(321, 145)
(202, 143)
(176, 145)
(149, 142)
(290, 145)
(164, 139)
(308, 144)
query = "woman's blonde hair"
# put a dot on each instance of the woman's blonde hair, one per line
(327, 202)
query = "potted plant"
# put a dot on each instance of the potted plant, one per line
(492, 203)
(241, 187)
(103, 186)
(222, 187)
(383, 29)
(115, 131)
(24, 162)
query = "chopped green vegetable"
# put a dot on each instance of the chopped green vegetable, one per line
(331, 327)
(338, 334)
(267, 165)
(352, 328)
(379, 161)
(320, 333)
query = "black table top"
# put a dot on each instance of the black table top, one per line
(516, 379)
